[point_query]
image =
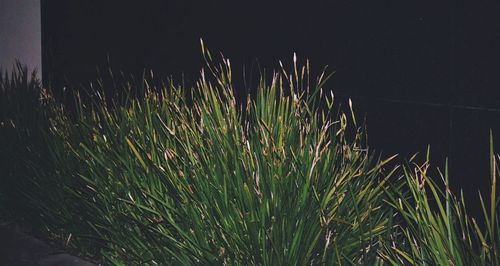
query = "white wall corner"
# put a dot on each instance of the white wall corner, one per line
(20, 34)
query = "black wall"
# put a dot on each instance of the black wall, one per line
(422, 73)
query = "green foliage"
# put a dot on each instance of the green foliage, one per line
(22, 142)
(437, 229)
(181, 176)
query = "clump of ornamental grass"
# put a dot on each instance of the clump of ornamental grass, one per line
(174, 175)
(189, 176)
(22, 144)
(18, 118)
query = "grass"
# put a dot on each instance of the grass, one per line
(169, 175)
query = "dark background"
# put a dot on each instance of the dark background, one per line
(421, 73)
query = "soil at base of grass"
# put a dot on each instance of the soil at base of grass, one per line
(19, 249)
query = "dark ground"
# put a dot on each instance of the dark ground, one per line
(19, 249)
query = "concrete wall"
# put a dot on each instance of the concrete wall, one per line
(20, 34)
